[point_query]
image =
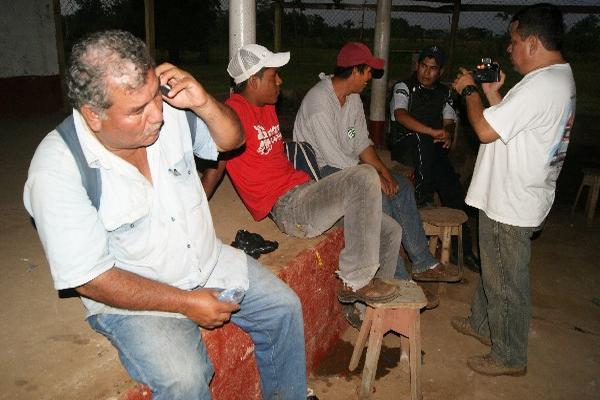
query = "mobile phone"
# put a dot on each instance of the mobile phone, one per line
(232, 295)
(165, 89)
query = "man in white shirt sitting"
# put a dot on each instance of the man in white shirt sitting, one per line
(144, 255)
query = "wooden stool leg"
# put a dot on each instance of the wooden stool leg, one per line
(577, 198)
(445, 257)
(361, 339)
(375, 340)
(415, 356)
(461, 260)
(590, 207)
(404, 351)
(433, 244)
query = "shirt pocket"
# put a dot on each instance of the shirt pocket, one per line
(186, 183)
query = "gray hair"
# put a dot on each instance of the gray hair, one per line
(112, 54)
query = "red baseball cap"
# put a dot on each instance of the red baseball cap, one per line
(355, 53)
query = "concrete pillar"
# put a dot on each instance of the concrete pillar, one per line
(381, 49)
(242, 24)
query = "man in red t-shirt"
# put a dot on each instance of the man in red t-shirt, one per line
(269, 185)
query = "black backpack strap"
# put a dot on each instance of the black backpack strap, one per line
(303, 158)
(90, 177)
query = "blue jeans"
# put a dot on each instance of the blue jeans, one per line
(371, 239)
(168, 354)
(403, 209)
(501, 307)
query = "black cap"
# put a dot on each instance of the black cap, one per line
(435, 52)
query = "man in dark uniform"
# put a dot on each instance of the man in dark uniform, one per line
(423, 123)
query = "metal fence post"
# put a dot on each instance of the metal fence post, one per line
(381, 48)
(150, 27)
(278, 11)
(242, 24)
(453, 32)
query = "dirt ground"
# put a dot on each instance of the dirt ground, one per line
(49, 352)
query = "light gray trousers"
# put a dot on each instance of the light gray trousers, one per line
(372, 239)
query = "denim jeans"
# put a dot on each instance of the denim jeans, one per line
(371, 241)
(168, 354)
(403, 209)
(501, 307)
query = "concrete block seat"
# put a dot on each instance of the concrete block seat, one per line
(306, 265)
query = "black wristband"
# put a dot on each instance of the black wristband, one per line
(468, 90)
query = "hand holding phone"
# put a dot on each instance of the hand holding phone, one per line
(165, 89)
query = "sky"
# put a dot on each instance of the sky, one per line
(426, 20)
(440, 21)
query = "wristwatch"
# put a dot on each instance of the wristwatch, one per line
(468, 90)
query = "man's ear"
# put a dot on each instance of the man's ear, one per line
(532, 44)
(253, 81)
(92, 118)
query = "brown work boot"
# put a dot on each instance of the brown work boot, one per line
(462, 325)
(376, 291)
(439, 273)
(486, 365)
(431, 293)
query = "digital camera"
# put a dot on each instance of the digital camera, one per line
(486, 71)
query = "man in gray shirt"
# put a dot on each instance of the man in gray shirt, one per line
(331, 118)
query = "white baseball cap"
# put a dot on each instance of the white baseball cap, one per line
(251, 58)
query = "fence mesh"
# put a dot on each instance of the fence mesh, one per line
(195, 33)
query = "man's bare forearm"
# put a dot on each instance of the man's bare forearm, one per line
(123, 289)
(369, 156)
(409, 122)
(483, 130)
(493, 97)
(211, 177)
(126, 290)
(223, 123)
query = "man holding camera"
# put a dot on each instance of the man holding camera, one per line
(524, 138)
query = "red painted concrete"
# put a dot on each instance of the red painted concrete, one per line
(311, 274)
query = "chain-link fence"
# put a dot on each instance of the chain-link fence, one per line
(195, 33)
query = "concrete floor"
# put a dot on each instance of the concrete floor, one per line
(49, 352)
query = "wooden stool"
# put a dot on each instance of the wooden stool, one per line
(441, 223)
(401, 316)
(591, 178)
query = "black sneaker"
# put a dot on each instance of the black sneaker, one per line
(253, 244)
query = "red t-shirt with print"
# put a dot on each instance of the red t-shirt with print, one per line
(262, 173)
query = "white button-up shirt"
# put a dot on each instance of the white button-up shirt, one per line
(161, 230)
